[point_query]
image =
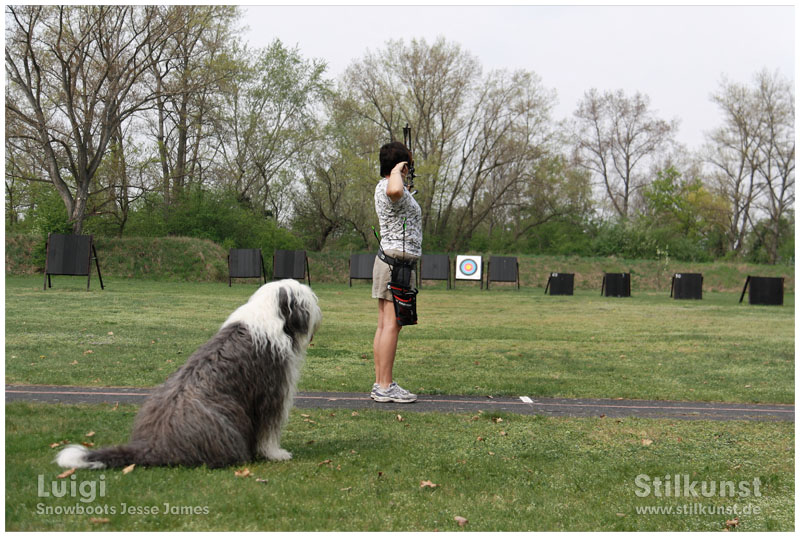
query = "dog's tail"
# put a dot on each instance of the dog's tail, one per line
(111, 457)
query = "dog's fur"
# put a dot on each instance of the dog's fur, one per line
(228, 403)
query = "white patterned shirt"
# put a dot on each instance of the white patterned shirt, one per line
(391, 216)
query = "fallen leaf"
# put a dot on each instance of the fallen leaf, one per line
(88, 444)
(346, 489)
(621, 514)
(74, 362)
(503, 433)
(732, 523)
(428, 484)
(400, 418)
(646, 441)
(116, 406)
(480, 439)
(90, 351)
(354, 413)
(243, 473)
(491, 453)
(99, 520)
(66, 474)
(128, 469)
(461, 520)
(259, 480)
(54, 445)
(497, 420)
(111, 333)
(309, 421)
(306, 415)
(326, 461)
(89, 434)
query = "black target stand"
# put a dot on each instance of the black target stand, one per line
(70, 255)
(764, 291)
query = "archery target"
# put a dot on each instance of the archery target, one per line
(468, 267)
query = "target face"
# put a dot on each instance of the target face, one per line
(468, 267)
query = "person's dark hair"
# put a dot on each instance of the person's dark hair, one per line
(391, 154)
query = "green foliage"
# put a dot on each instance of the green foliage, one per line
(214, 215)
(684, 215)
(756, 248)
(48, 214)
(560, 237)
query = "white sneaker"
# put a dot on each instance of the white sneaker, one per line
(393, 394)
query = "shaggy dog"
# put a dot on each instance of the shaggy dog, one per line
(228, 402)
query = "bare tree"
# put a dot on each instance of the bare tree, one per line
(78, 69)
(752, 157)
(506, 139)
(733, 153)
(264, 120)
(187, 75)
(22, 168)
(335, 198)
(777, 152)
(478, 139)
(426, 85)
(616, 136)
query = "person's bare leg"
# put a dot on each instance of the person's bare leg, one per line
(384, 347)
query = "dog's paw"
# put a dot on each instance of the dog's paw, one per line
(279, 454)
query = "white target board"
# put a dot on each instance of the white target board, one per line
(468, 267)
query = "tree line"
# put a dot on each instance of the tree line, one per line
(156, 120)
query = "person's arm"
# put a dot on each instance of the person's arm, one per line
(395, 186)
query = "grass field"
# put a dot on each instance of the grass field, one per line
(363, 472)
(498, 342)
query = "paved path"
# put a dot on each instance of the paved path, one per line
(449, 403)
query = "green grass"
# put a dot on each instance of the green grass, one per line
(542, 474)
(498, 342)
(159, 258)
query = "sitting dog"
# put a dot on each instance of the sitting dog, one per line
(229, 401)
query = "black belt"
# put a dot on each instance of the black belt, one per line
(392, 262)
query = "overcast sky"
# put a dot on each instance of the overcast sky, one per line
(677, 55)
